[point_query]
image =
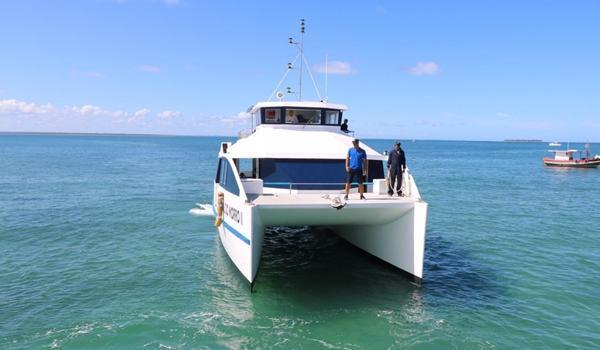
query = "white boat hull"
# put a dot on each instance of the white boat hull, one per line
(241, 235)
(392, 229)
(400, 242)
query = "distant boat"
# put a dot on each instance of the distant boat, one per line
(564, 158)
(554, 144)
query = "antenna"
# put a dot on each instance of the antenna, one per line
(291, 66)
(301, 58)
(587, 150)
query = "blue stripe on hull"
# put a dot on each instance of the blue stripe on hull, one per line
(235, 232)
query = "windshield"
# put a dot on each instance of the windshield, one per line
(303, 116)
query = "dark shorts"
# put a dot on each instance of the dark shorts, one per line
(354, 173)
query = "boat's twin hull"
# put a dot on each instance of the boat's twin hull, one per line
(400, 242)
(393, 231)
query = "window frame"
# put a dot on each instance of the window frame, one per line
(337, 122)
(304, 109)
(227, 178)
(264, 114)
(283, 112)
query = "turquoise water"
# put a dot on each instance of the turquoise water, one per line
(98, 251)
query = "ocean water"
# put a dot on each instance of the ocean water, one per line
(98, 251)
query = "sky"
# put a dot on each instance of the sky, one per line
(452, 70)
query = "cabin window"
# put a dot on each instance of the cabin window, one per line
(332, 117)
(246, 167)
(313, 174)
(218, 174)
(303, 116)
(222, 171)
(227, 177)
(272, 116)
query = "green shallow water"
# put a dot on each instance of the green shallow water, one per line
(98, 251)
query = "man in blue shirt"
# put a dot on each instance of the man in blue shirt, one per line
(356, 161)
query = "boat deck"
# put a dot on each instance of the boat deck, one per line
(316, 199)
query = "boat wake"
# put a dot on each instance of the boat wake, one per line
(202, 210)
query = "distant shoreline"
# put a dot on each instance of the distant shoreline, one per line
(522, 140)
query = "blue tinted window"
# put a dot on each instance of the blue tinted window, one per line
(303, 174)
(227, 178)
(222, 171)
(218, 173)
(310, 174)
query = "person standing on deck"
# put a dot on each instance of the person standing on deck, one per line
(396, 165)
(344, 126)
(356, 161)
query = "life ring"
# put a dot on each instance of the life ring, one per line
(220, 203)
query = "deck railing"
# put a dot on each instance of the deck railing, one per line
(406, 184)
(290, 185)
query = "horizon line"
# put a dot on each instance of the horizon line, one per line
(63, 133)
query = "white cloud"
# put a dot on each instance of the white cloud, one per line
(116, 116)
(87, 110)
(26, 116)
(424, 68)
(12, 106)
(335, 67)
(141, 112)
(91, 110)
(238, 118)
(138, 115)
(148, 68)
(168, 114)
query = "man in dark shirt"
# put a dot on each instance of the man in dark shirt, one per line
(356, 161)
(396, 165)
(344, 126)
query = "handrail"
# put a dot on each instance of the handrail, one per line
(290, 184)
(314, 183)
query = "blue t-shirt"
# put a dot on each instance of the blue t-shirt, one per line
(356, 158)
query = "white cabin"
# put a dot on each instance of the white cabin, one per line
(300, 146)
(563, 154)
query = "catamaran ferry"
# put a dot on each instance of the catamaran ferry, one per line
(290, 171)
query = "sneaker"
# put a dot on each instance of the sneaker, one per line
(346, 197)
(390, 193)
(363, 197)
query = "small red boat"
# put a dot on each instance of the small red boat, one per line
(564, 158)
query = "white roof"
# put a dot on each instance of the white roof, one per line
(269, 142)
(299, 104)
(563, 151)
